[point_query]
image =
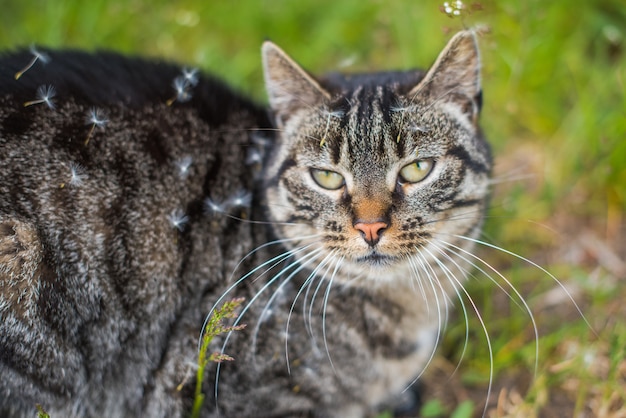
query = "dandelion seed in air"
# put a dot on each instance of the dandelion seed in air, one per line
(96, 118)
(44, 95)
(37, 56)
(178, 219)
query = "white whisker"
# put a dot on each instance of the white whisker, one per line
(432, 279)
(305, 284)
(451, 275)
(308, 318)
(324, 309)
(454, 283)
(537, 266)
(281, 258)
(278, 291)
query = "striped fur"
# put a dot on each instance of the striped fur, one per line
(142, 194)
(367, 128)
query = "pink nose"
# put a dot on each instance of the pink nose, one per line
(371, 232)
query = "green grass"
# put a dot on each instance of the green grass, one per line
(214, 327)
(555, 112)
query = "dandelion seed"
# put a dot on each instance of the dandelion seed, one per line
(44, 95)
(329, 115)
(212, 206)
(181, 86)
(242, 199)
(77, 175)
(95, 118)
(183, 165)
(37, 56)
(417, 128)
(254, 156)
(191, 76)
(178, 219)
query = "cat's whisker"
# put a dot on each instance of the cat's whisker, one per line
(535, 265)
(306, 283)
(511, 178)
(472, 261)
(269, 283)
(455, 285)
(434, 283)
(458, 284)
(308, 318)
(418, 277)
(442, 251)
(276, 260)
(303, 262)
(324, 310)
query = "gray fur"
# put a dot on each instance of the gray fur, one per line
(112, 251)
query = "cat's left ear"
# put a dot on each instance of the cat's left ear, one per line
(455, 76)
(288, 86)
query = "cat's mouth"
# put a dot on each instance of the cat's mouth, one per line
(376, 259)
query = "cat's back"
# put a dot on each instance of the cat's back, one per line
(109, 165)
(69, 116)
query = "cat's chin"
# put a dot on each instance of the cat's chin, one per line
(375, 267)
(377, 260)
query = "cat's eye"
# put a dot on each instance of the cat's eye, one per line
(327, 179)
(416, 171)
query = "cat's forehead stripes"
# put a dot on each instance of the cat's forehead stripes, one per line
(367, 126)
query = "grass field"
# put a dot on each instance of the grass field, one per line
(555, 112)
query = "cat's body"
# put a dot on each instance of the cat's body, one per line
(124, 217)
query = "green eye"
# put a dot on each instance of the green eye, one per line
(416, 171)
(327, 179)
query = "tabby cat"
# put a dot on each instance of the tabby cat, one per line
(138, 195)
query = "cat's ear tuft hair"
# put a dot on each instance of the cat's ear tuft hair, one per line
(455, 75)
(288, 86)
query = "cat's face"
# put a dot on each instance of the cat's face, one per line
(377, 175)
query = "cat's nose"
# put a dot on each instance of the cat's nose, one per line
(371, 231)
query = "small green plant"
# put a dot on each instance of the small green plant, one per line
(41, 413)
(214, 327)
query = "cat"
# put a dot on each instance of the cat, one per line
(138, 195)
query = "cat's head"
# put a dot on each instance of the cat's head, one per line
(377, 173)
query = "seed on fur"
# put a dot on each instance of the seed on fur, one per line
(77, 175)
(181, 86)
(184, 165)
(37, 56)
(44, 95)
(178, 219)
(95, 118)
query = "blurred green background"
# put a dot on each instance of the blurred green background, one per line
(555, 112)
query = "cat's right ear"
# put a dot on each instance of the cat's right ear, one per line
(288, 86)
